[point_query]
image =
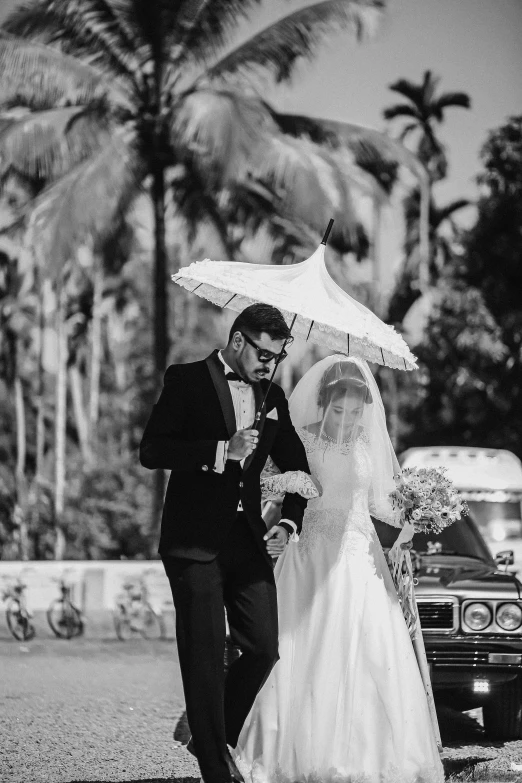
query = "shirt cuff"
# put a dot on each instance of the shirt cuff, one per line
(289, 523)
(221, 456)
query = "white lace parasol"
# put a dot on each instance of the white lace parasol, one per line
(325, 313)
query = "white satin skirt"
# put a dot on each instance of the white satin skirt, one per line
(345, 703)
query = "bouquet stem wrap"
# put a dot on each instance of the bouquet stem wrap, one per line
(402, 574)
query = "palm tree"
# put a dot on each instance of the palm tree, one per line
(130, 89)
(114, 96)
(423, 110)
(122, 95)
(443, 230)
(442, 233)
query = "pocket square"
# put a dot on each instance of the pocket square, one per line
(272, 415)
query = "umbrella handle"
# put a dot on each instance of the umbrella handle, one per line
(327, 232)
(257, 418)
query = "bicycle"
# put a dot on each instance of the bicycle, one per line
(134, 614)
(64, 618)
(17, 614)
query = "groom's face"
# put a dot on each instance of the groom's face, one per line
(251, 367)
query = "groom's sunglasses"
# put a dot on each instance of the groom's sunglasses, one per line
(263, 355)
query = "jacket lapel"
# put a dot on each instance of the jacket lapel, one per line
(217, 374)
(258, 396)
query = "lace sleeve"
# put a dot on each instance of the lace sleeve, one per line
(382, 509)
(293, 481)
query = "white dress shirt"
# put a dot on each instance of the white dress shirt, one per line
(245, 410)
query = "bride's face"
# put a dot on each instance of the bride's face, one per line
(342, 414)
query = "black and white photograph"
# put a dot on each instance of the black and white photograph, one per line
(260, 391)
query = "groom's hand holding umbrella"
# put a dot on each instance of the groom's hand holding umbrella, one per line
(241, 444)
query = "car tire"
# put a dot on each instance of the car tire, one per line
(503, 712)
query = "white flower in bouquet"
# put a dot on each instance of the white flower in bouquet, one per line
(428, 499)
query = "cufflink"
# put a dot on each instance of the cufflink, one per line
(204, 467)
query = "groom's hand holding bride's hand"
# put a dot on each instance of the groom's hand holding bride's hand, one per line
(276, 540)
(241, 444)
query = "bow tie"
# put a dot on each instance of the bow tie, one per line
(233, 376)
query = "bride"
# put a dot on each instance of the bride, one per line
(345, 703)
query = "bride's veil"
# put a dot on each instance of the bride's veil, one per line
(339, 403)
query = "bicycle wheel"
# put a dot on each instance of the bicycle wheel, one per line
(19, 624)
(64, 619)
(122, 625)
(153, 624)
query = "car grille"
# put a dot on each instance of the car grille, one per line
(437, 616)
(466, 658)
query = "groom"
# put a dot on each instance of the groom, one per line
(214, 544)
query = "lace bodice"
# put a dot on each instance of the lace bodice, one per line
(342, 512)
(343, 472)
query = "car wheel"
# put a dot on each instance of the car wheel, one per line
(503, 712)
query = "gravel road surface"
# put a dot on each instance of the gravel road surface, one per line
(104, 710)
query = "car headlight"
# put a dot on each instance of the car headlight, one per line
(477, 616)
(509, 617)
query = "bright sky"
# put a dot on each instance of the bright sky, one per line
(474, 45)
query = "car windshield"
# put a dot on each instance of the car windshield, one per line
(497, 521)
(462, 539)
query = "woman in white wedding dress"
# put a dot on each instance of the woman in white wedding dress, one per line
(345, 703)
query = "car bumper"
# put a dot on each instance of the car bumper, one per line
(463, 661)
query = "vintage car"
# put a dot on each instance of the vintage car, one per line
(471, 617)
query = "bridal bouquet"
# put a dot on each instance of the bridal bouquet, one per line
(427, 499)
(427, 502)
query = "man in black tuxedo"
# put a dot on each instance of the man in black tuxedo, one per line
(214, 544)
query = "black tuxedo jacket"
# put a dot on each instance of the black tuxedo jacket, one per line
(193, 413)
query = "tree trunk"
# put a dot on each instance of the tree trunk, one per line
(424, 235)
(379, 307)
(377, 293)
(96, 351)
(40, 421)
(60, 426)
(21, 482)
(80, 416)
(161, 338)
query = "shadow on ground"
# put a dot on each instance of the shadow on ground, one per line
(181, 730)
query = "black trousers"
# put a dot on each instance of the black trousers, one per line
(241, 580)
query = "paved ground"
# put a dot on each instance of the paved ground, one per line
(103, 710)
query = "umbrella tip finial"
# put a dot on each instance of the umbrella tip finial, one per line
(327, 232)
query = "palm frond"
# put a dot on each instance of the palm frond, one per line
(351, 136)
(448, 210)
(408, 128)
(401, 110)
(429, 87)
(220, 130)
(87, 204)
(46, 145)
(311, 182)
(83, 28)
(277, 48)
(413, 92)
(451, 99)
(40, 77)
(198, 204)
(201, 26)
